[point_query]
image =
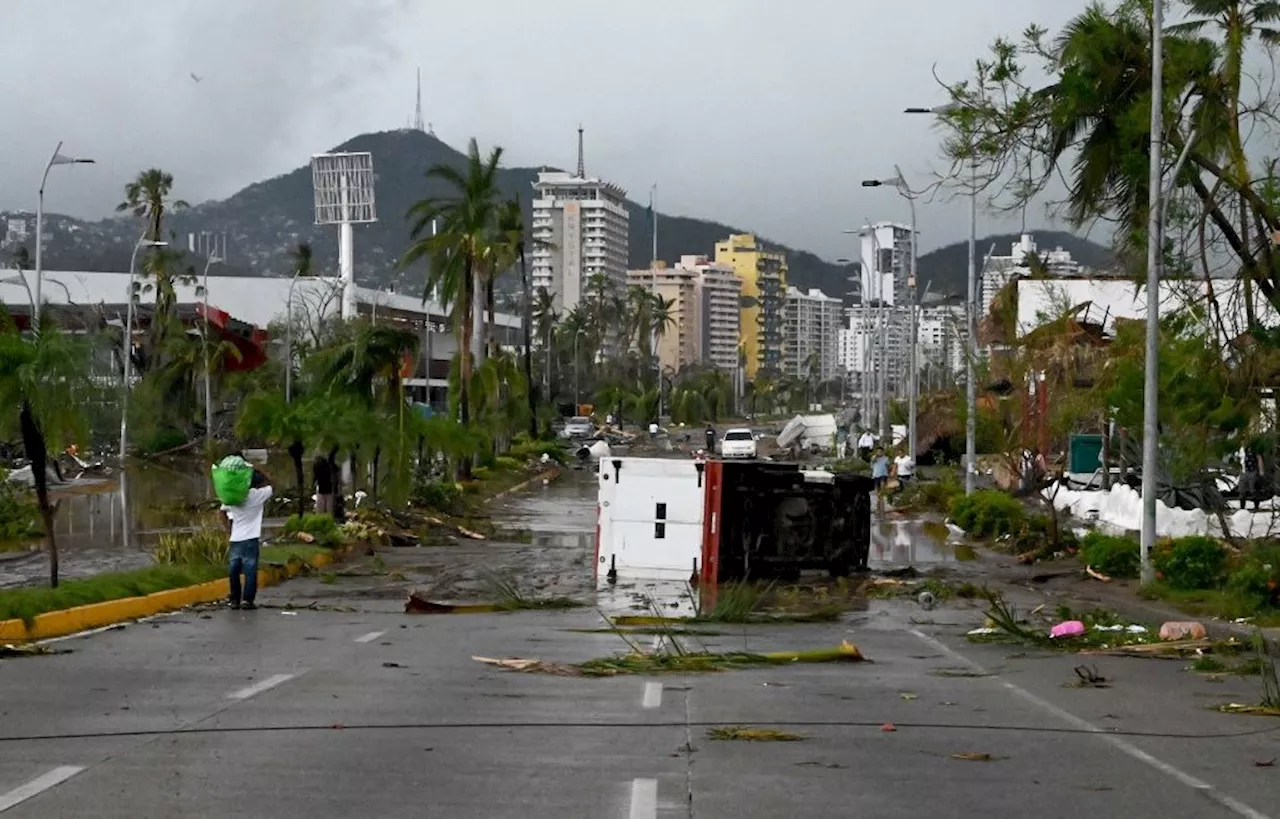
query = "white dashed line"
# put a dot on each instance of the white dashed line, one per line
(644, 798)
(259, 687)
(41, 784)
(652, 695)
(1230, 803)
(370, 637)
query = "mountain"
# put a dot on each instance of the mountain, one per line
(946, 269)
(267, 219)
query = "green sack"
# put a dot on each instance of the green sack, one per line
(232, 477)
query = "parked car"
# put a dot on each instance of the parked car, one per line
(578, 426)
(738, 443)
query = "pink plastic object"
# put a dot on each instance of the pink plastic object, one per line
(1067, 628)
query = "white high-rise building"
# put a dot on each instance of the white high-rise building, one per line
(811, 327)
(886, 251)
(580, 229)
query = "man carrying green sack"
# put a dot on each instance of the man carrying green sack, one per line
(244, 519)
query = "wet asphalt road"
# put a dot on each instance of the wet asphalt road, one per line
(354, 709)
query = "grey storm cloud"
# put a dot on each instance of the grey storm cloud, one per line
(761, 113)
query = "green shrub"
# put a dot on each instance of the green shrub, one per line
(203, 547)
(481, 473)
(926, 494)
(505, 463)
(1257, 576)
(1187, 563)
(19, 515)
(525, 450)
(438, 495)
(988, 513)
(323, 528)
(1110, 554)
(856, 466)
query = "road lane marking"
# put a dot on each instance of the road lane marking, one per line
(370, 637)
(37, 786)
(652, 695)
(644, 798)
(1230, 803)
(259, 687)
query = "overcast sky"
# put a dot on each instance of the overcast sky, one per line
(764, 114)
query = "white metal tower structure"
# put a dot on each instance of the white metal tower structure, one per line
(343, 185)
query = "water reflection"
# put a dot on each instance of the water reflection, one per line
(897, 543)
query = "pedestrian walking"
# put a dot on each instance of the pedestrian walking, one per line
(244, 523)
(880, 469)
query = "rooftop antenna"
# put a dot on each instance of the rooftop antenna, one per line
(582, 168)
(417, 111)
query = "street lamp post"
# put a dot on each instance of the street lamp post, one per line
(208, 379)
(56, 159)
(1151, 382)
(900, 184)
(143, 241)
(971, 311)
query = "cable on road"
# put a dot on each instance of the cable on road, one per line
(478, 726)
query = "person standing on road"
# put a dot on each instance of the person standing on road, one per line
(323, 475)
(905, 467)
(244, 522)
(865, 445)
(880, 469)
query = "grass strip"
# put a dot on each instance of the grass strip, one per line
(27, 603)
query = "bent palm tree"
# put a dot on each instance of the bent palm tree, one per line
(42, 378)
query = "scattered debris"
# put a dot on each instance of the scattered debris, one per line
(1096, 575)
(1069, 628)
(417, 604)
(1270, 763)
(831, 766)
(927, 600)
(462, 530)
(907, 695)
(888, 728)
(390, 664)
(1090, 678)
(976, 756)
(679, 662)
(742, 733)
(959, 672)
(1173, 630)
(29, 650)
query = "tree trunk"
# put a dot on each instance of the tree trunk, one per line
(491, 305)
(530, 390)
(377, 456)
(33, 444)
(295, 453)
(339, 503)
(464, 358)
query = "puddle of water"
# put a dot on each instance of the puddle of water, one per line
(914, 542)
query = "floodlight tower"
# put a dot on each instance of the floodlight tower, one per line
(343, 185)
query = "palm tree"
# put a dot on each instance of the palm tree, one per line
(43, 379)
(148, 198)
(544, 314)
(459, 251)
(268, 417)
(511, 222)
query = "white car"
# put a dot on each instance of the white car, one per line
(738, 443)
(578, 427)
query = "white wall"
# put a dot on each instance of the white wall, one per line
(1039, 299)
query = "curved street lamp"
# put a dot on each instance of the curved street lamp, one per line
(56, 159)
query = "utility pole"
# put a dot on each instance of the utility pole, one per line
(1151, 381)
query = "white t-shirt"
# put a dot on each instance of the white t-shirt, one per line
(246, 519)
(906, 466)
(866, 441)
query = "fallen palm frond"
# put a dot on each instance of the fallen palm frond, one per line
(510, 597)
(742, 733)
(637, 662)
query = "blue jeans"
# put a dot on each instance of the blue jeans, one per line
(244, 558)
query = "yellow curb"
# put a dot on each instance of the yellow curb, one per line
(550, 474)
(96, 615)
(648, 620)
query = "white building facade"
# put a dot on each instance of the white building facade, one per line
(1000, 270)
(885, 259)
(811, 332)
(580, 229)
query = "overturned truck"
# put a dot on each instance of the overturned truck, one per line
(714, 521)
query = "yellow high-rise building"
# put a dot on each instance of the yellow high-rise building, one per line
(764, 288)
